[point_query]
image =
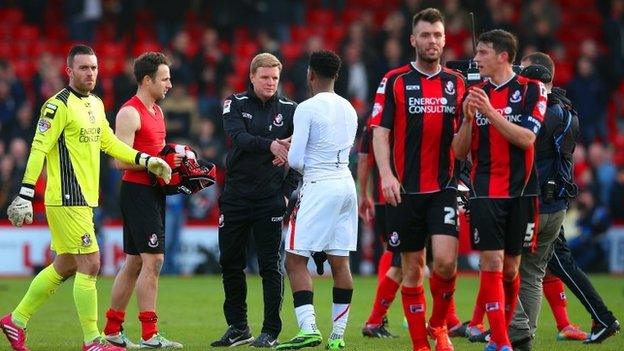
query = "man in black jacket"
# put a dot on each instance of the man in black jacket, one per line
(259, 124)
(554, 147)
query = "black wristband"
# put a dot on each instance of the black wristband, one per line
(27, 192)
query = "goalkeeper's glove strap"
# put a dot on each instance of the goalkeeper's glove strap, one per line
(139, 158)
(27, 192)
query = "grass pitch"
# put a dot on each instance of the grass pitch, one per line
(190, 311)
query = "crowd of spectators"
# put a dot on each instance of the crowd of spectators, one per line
(211, 43)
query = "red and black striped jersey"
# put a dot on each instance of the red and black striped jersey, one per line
(499, 168)
(422, 111)
(366, 148)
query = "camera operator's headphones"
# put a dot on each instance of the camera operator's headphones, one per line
(537, 72)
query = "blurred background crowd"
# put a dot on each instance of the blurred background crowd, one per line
(212, 42)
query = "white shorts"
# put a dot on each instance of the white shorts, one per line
(326, 219)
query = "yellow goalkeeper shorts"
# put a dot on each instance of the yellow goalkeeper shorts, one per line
(72, 230)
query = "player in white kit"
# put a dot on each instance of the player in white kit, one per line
(326, 220)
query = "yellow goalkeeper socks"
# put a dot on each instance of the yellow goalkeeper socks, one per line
(41, 288)
(85, 297)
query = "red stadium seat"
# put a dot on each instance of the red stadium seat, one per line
(349, 15)
(27, 33)
(24, 69)
(246, 49)
(7, 51)
(335, 33)
(320, 17)
(40, 46)
(144, 33)
(291, 51)
(11, 16)
(145, 47)
(112, 50)
(300, 33)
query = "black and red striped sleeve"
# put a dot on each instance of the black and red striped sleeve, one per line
(535, 102)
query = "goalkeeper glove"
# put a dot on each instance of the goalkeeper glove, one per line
(155, 165)
(21, 209)
(319, 260)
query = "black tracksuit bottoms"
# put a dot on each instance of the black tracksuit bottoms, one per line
(241, 218)
(563, 266)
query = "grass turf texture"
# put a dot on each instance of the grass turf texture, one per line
(190, 311)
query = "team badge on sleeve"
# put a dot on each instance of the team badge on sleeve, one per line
(49, 110)
(377, 109)
(226, 106)
(43, 125)
(382, 86)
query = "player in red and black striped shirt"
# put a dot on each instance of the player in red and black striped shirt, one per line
(416, 111)
(501, 119)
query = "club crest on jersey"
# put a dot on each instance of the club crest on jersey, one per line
(86, 240)
(226, 106)
(377, 109)
(278, 120)
(153, 241)
(221, 221)
(91, 117)
(475, 236)
(394, 240)
(449, 88)
(43, 125)
(515, 97)
(382, 86)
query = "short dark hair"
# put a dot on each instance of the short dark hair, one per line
(540, 58)
(78, 50)
(325, 63)
(430, 15)
(147, 65)
(502, 41)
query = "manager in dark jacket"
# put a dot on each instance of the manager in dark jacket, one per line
(259, 124)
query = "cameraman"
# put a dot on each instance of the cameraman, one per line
(553, 156)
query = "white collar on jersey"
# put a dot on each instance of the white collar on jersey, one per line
(503, 83)
(429, 76)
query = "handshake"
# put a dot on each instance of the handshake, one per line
(279, 148)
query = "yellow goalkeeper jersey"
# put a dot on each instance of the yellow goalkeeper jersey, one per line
(71, 131)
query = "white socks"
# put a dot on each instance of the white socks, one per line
(306, 318)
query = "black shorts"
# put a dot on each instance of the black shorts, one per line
(380, 222)
(380, 230)
(503, 224)
(143, 214)
(420, 215)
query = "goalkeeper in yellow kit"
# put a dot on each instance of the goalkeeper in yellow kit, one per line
(71, 132)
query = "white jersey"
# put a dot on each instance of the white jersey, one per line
(324, 132)
(326, 220)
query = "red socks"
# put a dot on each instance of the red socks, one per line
(414, 309)
(492, 297)
(148, 324)
(114, 320)
(386, 291)
(442, 293)
(385, 262)
(511, 297)
(478, 313)
(555, 294)
(451, 315)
